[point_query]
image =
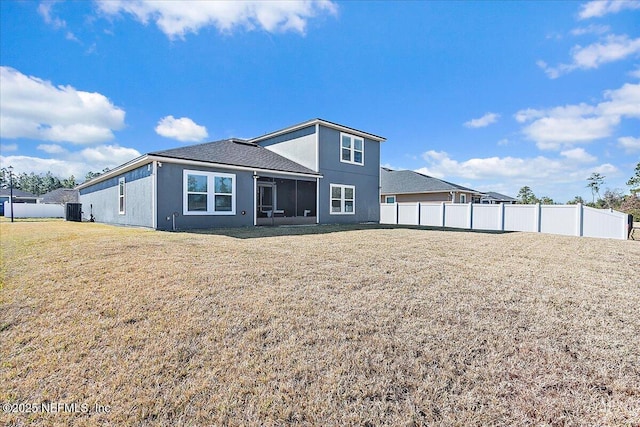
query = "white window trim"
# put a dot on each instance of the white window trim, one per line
(386, 199)
(122, 186)
(463, 198)
(210, 192)
(342, 199)
(353, 149)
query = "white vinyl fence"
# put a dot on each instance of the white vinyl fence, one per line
(34, 210)
(570, 220)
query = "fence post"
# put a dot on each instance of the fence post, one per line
(501, 215)
(443, 214)
(538, 217)
(580, 219)
(397, 213)
(470, 216)
(418, 214)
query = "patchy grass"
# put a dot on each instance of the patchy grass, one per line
(318, 326)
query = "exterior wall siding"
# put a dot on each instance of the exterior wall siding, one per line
(170, 200)
(101, 199)
(365, 178)
(299, 146)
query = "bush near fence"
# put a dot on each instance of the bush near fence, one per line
(570, 220)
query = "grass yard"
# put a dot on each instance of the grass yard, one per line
(323, 325)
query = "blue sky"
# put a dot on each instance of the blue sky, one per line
(492, 95)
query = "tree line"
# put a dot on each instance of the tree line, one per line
(39, 184)
(610, 199)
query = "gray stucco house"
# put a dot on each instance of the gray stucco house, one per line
(313, 172)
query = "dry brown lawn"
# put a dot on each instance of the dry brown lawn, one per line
(317, 326)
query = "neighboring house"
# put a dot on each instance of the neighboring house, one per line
(495, 198)
(60, 196)
(409, 186)
(312, 172)
(19, 196)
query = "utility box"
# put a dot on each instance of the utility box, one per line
(73, 212)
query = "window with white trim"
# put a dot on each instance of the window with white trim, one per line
(343, 199)
(209, 193)
(121, 195)
(351, 149)
(463, 198)
(390, 199)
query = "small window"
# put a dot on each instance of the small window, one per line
(209, 193)
(390, 199)
(351, 149)
(121, 196)
(463, 198)
(343, 199)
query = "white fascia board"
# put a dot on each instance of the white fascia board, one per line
(230, 167)
(323, 123)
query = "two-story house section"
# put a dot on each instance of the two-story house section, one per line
(314, 172)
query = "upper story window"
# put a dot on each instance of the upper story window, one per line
(351, 149)
(390, 199)
(209, 193)
(121, 200)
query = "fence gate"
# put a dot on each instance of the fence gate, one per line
(73, 212)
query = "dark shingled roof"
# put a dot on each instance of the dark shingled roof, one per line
(6, 192)
(60, 195)
(237, 153)
(406, 181)
(497, 196)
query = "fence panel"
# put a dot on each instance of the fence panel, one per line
(521, 218)
(487, 217)
(431, 214)
(388, 213)
(603, 223)
(33, 210)
(408, 213)
(560, 219)
(456, 215)
(570, 220)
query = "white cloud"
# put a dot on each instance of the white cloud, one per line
(51, 148)
(183, 129)
(558, 170)
(598, 8)
(8, 147)
(45, 10)
(635, 73)
(562, 126)
(579, 155)
(77, 163)
(108, 155)
(629, 144)
(557, 177)
(591, 29)
(177, 18)
(483, 121)
(34, 108)
(612, 48)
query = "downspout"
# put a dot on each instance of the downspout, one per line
(255, 198)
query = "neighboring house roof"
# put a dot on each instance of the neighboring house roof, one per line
(410, 182)
(497, 197)
(6, 192)
(235, 152)
(60, 195)
(322, 122)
